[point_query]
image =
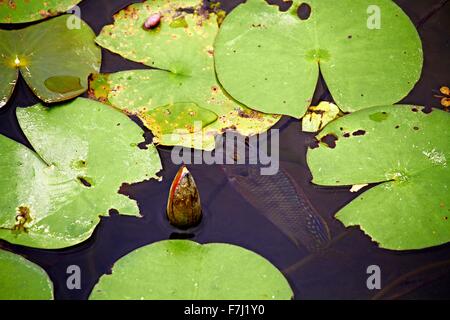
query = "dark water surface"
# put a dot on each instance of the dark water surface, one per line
(338, 272)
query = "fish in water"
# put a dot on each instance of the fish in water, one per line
(282, 202)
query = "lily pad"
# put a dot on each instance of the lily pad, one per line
(405, 150)
(54, 197)
(21, 279)
(20, 11)
(261, 50)
(54, 60)
(181, 47)
(182, 269)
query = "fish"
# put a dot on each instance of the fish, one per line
(279, 199)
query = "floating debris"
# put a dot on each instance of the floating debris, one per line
(445, 98)
(358, 187)
(153, 21)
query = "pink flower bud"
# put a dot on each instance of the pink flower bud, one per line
(153, 21)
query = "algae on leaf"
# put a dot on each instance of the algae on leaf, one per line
(405, 149)
(20, 11)
(21, 279)
(54, 60)
(182, 269)
(85, 151)
(270, 60)
(181, 48)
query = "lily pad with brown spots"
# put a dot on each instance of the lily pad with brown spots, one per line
(181, 48)
(405, 151)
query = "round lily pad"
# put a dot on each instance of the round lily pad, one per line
(54, 59)
(261, 50)
(85, 151)
(182, 269)
(21, 279)
(405, 150)
(181, 47)
(20, 11)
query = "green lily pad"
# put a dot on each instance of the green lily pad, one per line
(261, 50)
(54, 60)
(183, 53)
(182, 269)
(405, 150)
(54, 197)
(21, 279)
(20, 11)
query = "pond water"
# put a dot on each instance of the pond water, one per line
(337, 272)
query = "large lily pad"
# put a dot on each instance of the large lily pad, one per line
(54, 60)
(21, 279)
(181, 47)
(182, 269)
(403, 149)
(20, 11)
(261, 50)
(84, 153)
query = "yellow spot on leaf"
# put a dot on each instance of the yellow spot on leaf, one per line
(319, 116)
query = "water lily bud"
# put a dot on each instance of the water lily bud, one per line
(183, 206)
(153, 21)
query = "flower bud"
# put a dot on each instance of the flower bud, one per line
(183, 206)
(153, 21)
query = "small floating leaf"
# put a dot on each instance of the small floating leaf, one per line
(358, 187)
(182, 48)
(445, 90)
(21, 279)
(445, 97)
(85, 151)
(407, 154)
(182, 269)
(55, 69)
(319, 116)
(261, 50)
(20, 11)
